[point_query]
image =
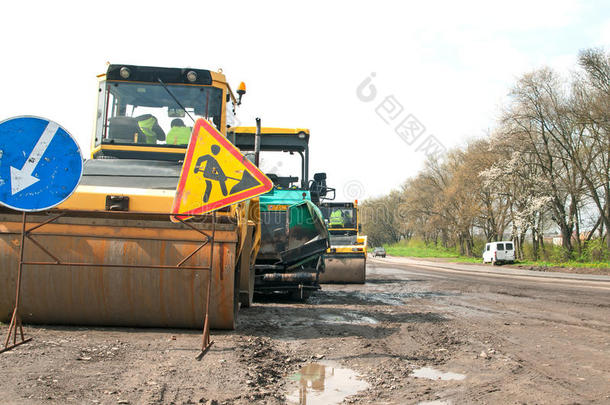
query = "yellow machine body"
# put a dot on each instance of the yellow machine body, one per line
(119, 214)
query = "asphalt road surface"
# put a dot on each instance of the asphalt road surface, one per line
(416, 332)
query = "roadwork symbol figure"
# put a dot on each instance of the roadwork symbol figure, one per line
(212, 171)
(214, 175)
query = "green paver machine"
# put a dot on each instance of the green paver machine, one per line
(293, 232)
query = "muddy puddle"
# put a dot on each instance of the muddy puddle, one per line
(324, 383)
(432, 374)
(349, 318)
(373, 297)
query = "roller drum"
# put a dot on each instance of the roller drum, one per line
(346, 268)
(118, 296)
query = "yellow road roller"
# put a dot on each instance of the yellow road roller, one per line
(345, 260)
(109, 254)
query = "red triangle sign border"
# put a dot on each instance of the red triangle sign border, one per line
(265, 185)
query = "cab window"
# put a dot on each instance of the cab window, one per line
(145, 113)
(340, 217)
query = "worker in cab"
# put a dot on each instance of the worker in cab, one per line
(150, 128)
(178, 134)
(336, 219)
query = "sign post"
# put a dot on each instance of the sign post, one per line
(214, 175)
(40, 167)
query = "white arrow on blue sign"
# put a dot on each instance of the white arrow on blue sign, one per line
(40, 163)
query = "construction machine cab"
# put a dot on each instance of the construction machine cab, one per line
(277, 148)
(342, 218)
(137, 104)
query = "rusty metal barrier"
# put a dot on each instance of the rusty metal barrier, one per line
(28, 233)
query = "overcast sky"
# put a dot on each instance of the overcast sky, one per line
(449, 65)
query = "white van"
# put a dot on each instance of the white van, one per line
(499, 252)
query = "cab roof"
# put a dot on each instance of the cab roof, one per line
(272, 139)
(152, 74)
(270, 130)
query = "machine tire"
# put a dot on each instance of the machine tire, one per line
(296, 295)
(246, 299)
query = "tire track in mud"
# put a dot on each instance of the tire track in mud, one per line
(571, 308)
(523, 368)
(356, 327)
(512, 314)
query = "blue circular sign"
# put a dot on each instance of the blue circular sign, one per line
(40, 163)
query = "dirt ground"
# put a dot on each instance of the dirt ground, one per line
(479, 338)
(572, 270)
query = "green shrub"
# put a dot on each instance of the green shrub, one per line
(596, 250)
(418, 248)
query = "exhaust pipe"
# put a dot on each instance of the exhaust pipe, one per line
(300, 277)
(257, 142)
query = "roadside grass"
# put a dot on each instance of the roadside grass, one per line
(420, 251)
(468, 259)
(417, 248)
(571, 263)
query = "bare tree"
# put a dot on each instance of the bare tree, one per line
(547, 160)
(536, 117)
(590, 108)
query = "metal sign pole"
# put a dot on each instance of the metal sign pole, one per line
(24, 140)
(16, 322)
(16, 319)
(206, 343)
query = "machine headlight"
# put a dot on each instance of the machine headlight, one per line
(191, 76)
(125, 73)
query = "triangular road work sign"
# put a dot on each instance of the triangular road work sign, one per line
(215, 174)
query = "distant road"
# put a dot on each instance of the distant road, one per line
(480, 273)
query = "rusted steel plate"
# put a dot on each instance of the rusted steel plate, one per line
(118, 296)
